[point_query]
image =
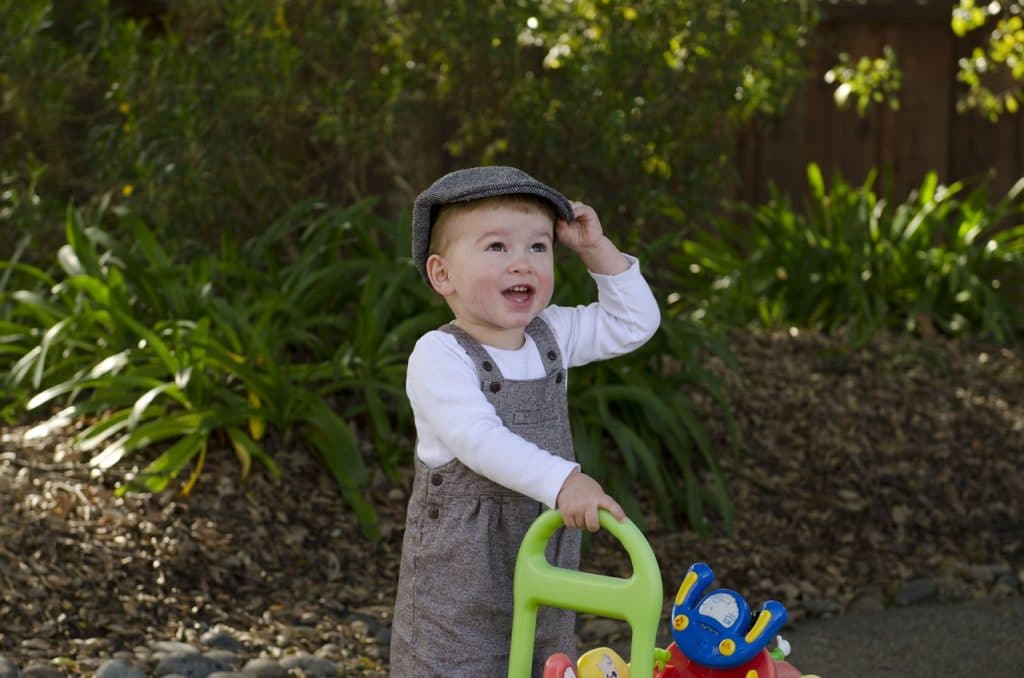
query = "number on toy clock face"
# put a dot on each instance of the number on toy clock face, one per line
(715, 631)
(721, 607)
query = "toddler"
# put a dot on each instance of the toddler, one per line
(488, 393)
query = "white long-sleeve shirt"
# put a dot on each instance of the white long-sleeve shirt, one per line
(454, 420)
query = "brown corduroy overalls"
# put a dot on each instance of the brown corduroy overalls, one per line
(453, 612)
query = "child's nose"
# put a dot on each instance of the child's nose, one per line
(519, 263)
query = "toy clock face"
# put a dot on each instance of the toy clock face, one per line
(721, 607)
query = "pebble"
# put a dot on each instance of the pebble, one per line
(870, 599)
(221, 653)
(310, 665)
(189, 664)
(218, 638)
(118, 668)
(916, 591)
(216, 654)
(264, 668)
(42, 670)
(8, 669)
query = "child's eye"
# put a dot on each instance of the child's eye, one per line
(496, 247)
(539, 247)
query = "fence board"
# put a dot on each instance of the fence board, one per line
(926, 134)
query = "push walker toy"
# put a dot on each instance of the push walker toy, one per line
(715, 635)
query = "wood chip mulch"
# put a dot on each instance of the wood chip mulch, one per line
(859, 473)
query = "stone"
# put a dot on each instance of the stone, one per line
(602, 629)
(35, 644)
(225, 657)
(8, 669)
(39, 669)
(190, 665)
(264, 668)
(916, 591)
(310, 665)
(221, 640)
(173, 647)
(822, 606)
(119, 668)
(327, 651)
(870, 599)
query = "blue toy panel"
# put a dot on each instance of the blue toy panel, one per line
(717, 629)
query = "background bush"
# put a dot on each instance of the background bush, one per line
(299, 338)
(173, 353)
(208, 118)
(852, 260)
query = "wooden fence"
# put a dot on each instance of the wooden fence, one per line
(926, 133)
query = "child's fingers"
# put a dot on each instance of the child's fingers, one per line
(568, 518)
(580, 209)
(612, 507)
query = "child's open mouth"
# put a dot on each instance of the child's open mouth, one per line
(519, 294)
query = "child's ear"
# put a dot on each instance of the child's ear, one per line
(439, 276)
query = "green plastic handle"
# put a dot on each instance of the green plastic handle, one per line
(636, 599)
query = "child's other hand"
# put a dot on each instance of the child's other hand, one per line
(580, 498)
(583, 232)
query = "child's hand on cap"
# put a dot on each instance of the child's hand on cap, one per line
(583, 232)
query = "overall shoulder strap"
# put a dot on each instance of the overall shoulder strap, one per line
(486, 369)
(550, 354)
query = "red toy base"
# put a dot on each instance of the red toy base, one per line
(761, 666)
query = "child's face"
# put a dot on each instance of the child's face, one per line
(495, 270)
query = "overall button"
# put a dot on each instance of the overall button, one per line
(495, 387)
(433, 513)
(436, 479)
(552, 355)
(487, 366)
(558, 378)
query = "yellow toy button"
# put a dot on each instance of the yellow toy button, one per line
(688, 581)
(727, 647)
(680, 622)
(759, 626)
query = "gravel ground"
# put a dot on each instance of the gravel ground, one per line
(884, 477)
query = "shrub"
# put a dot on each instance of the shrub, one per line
(633, 106)
(212, 117)
(854, 261)
(299, 337)
(180, 359)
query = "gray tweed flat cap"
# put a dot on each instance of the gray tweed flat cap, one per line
(472, 184)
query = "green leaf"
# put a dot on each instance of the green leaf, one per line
(172, 426)
(246, 449)
(166, 467)
(127, 382)
(816, 182)
(145, 400)
(337, 445)
(94, 436)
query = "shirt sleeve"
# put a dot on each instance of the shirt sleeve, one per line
(452, 413)
(624, 317)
